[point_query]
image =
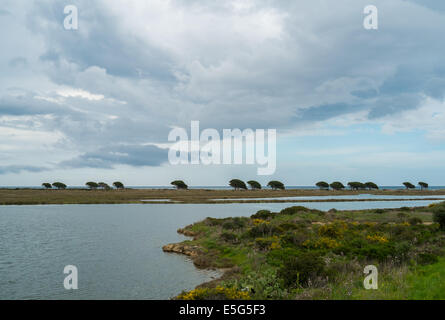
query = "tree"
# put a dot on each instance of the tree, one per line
(409, 185)
(47, 185)
(371, 185)
(118, 185)
(92, 185)
(356, 185)
(423, 185)
(254, 184)
(322, 185)
(59, 185)
(104, 186)
(179, 184)
(237, 184)
(336, 185)
(276, 185)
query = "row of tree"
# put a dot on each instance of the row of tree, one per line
(409, 185)
(92, 185)
(102, 185)
(237, 184)
(337, 185)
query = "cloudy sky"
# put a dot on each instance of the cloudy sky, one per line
(98, 103)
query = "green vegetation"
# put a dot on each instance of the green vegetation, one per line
(371, 185)
(118, 185)
(254, 185)
(59, 185)
(299, 253)
(92, 185)
(356, 185)
(439, 216)
(409, 185)
(336, 185)
(275, 185)
(104, 186)
(237, 184)
(322, 185)
(423, 185)
(47, 185)
(179, 184)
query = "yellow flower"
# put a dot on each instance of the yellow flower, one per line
(259, 221)
(377, 238)
(219, 291)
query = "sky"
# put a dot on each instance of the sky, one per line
(98, 103)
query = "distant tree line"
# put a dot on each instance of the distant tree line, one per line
(336, 185)
(91, 185)
(238, 184)
(409, 185)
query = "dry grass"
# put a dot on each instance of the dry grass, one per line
(77, 196)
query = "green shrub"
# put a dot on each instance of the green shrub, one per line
(229, 237)
(294, 239)
(262, 214)
(213, 222)
(288, 226)
(293, 210)
(415, 221)
(263, 230)
(229, 225)
(234, 223)
(263, 243)
(402, 215)
(379, 211)
(427, 258)
(277, 257)
(263, 284)
(300, 270)
(439, 217)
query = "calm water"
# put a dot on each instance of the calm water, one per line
(116, 248)
(349, 197)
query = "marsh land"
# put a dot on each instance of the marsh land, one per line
(84, 196)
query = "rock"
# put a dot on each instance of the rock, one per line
(182, 248)
(187, 233)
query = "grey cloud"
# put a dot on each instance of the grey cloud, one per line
(18, 62)
(391, 105)
(431, 4)
(104, 45)
(18, 169)
(223, 77)
(325, 112)
(107, 157)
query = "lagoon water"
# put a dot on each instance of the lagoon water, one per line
(116, 248)
(360, 196)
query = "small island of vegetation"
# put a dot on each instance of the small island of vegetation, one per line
(299, 253)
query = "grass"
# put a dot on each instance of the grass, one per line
(408, 255)
(403, 283)
(79, 196)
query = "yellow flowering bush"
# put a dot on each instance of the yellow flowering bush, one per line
(322, 242)
(377, 238)
(259, 221)
(218, 293)
(333, 230)
(268, 243)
